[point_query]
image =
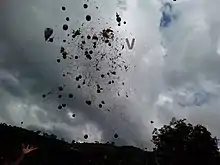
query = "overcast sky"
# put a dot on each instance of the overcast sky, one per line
(174, 68)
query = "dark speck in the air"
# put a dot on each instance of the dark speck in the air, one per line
(100, 105)
(90, 52)
(76, 33)
(47, 33)
(113, 81)
(58, 60)
(78, 86)
(65, 27)
(70, 95)
(102, 102)
(64, 105)
(64, 41)
(118, 18)
(51, 39)
(59, 96)
(109, 44)
(60, 107)
(74, 115)
(88, 18)
(88, 56)
(88, 102)
(86, 136)
(63, 8)
(109, 82)
(116, 136)
(94, 37)
(83, 42)
(64, 55)
(124, 22)
(85, 6)
(98, 91)
(22, 122)
(76, 57)
(88, 37)
(62, 49)
(102, 75)
(67, 18)
(114, 73)
(43, 96)
(60, 88)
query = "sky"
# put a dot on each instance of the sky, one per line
(174, 68)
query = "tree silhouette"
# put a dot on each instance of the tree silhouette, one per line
(182, 143)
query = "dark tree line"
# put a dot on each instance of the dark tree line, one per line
(178, 143)
(181, 143)
(52, 151)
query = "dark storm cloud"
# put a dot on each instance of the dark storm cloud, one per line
(31, 63)
(175, 65)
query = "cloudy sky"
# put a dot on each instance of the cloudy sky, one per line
(175, 66)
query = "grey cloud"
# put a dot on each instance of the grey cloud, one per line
(32, 62)
(28, 69)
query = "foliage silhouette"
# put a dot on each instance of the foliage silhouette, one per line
(53, 151)
(181, 143)
(178, 143)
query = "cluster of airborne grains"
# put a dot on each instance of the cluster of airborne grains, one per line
(95, 61)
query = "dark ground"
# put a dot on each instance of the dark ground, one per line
(56, 152)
